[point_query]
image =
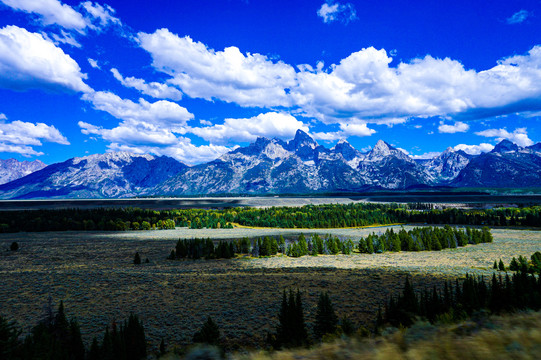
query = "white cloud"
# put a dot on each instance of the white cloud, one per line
(154, 89)
(332, 11)
(518, 136)
(50, 12)
(28, 60)
(474, 149)
(518, 17)
(20, 137)
(428, 155)
(365, 86)
(271, 124)
(228, 75)
(451, 129)
(101, 16)
(65, 38)
(182, 150)
(143, 124)
(356, 130)
(346, 130)
(54, 12)
(94, 63)
(329, 135)
(130, 133)
(161, 114)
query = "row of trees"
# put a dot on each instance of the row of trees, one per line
(58, 338)
(103, 219)
(260, 247)
(291, 330)
(417, 239)
(423, 238)
(309, 216)
(459, 301)
(522, 264)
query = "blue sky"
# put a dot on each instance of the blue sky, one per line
(194, 79)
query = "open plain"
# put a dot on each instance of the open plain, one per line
(93, 273)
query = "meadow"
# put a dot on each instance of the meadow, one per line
(93, 272)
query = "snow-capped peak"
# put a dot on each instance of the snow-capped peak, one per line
(302, 139)
(111, 157)
(381, 149)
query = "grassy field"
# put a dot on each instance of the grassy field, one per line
(94, 274)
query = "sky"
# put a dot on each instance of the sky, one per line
(195, 79)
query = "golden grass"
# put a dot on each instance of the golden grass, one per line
(516, 336)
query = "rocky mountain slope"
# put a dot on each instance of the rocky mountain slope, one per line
(274, 166)
(11, 169)
(109, 175)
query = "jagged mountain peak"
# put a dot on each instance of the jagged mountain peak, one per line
(302, 139)
(505, 146)
(12, 169)
(113, 156)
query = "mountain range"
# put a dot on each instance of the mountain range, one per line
(274, 166)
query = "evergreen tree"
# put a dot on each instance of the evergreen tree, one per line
(137, 259)
(14, 246)
(326, 319)
(501, 266)
(291, 330)
(9, 339)
(208, 334)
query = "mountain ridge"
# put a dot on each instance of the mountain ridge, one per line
(274, 166)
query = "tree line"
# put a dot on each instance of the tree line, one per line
(417, 239)
(423, 239)
(459, 301)
(58, 338)
(522, 264)
(309, 216)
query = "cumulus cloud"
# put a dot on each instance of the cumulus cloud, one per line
(143, 124)
(271, 124)
(54, 12)
(130, 133)
(518, 17)
(160, 114)
(363, 86)
(20, 137)
(50, 12)
(153, 89)
(451, 129)
(346, 130)
(474, 149)
(228, 75)
(518, 136)
(29, 61)
(332, 11)
(356, 129)
(182, 150)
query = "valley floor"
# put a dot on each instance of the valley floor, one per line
(93, 273)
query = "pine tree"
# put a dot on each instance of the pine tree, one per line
(501, 266)
(137, 259)
(326, 319)
(209, 333)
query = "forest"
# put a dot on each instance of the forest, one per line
(417, 239)
(309, 217)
